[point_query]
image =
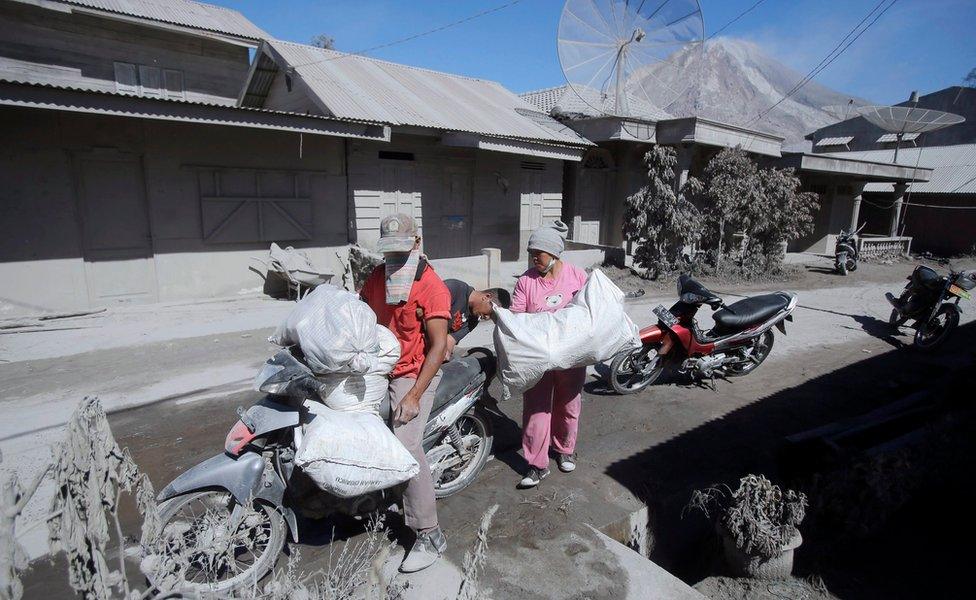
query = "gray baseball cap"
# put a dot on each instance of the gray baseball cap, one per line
(398, 233)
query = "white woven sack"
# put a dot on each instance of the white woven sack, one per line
(592, 328)
(350, 453)
(334, 328)
(363, 393)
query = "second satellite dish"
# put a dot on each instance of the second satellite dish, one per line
(625, 57)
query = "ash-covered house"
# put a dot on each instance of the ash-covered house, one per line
(147, 158)
(937, 211)
(128, 172)
(595, 189)
(476, 165)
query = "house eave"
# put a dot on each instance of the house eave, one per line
(856, 169)
(512, 146)
(697, 130)
(100, 103)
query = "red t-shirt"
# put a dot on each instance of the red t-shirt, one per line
(427, 293)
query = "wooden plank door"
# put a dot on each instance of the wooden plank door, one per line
(448, 231)
(116, 238)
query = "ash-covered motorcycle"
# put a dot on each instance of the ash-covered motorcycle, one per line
(740, 341)
(932, 302)
(845, 251)
(227, 518)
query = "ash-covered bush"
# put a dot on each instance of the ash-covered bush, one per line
(759, 516)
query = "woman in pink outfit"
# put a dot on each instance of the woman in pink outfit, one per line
(551, 409)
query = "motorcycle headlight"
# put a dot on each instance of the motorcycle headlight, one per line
(266, 380)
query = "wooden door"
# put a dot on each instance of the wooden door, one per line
(531, 200)
(448, 224)
(116, 239)
(397, 190)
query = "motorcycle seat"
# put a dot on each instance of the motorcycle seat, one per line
(456, 376)
(748, 312)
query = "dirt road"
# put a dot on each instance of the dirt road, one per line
(637, 453)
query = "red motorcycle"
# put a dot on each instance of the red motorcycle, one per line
(738, 343)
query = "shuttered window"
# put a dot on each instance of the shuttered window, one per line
(149, 84)
(251, 205)
(126, 78)
(173, 84)
(149, 81)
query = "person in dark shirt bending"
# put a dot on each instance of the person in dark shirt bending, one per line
(468, 307)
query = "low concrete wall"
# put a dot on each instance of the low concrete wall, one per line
(473, 270)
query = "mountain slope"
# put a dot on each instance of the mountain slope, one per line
(738, 81)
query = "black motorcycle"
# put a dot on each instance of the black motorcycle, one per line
(928, 300)
(845, 251)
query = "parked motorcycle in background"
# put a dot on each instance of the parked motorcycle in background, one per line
(932, 301)
(227, 518)
(740, 341)
(845, 251)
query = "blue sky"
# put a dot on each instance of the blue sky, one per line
(918, 44)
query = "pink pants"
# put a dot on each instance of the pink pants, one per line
(551, 412)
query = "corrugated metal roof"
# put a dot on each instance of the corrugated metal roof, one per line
(181, 12)
(835, 141)
(953, 167)
(893, 137)
(360, 87)
(563, 100)
(186, 102)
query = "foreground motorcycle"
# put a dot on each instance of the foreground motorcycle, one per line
(738, 343)
(227, 518)
(932, 301)
(845, 251)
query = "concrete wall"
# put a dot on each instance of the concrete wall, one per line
(464, 199)
(48, 46)
(47, 261)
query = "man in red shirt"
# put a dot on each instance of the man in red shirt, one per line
(410, 299)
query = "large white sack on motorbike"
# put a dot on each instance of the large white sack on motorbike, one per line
(363, 393)
(592, 328)
(334, 328)
(349, 453)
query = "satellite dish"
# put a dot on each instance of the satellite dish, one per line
(618, 55)
(841, 112)
(908, 119)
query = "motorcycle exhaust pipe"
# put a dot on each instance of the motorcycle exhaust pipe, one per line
(891, 298)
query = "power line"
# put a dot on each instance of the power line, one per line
(831, 56)
(739, 16)
(414, 36)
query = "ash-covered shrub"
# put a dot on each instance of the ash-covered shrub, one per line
(759, 517)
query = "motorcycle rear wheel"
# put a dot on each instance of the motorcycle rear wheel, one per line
(631, 372)
(934, 332)
(475, 427)
(193, 539)
(758, 352)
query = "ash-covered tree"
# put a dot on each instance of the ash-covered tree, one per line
(730, 184)
(781, 212)
(659, 220)
(326, 42)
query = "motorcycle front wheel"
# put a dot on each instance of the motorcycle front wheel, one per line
(197, 553)
(931, 334)
(631, 372)
(453, 471)
(841, 263)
